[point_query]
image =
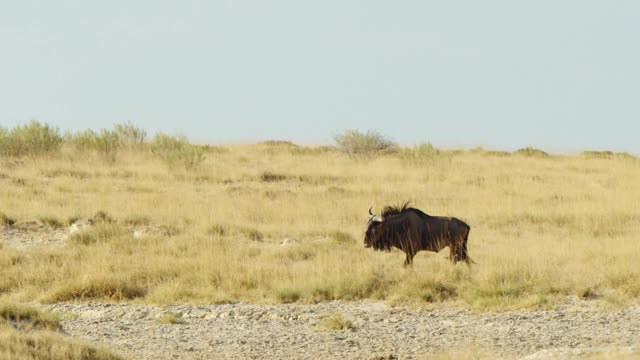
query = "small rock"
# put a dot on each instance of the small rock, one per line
(289, 242)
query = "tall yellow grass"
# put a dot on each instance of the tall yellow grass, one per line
(542, 227)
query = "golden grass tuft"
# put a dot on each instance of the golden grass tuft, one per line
(42, 345)
(30, 333)
(28, 318)
(335, 322)
(170, 318)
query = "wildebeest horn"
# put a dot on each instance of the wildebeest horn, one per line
(370, 213)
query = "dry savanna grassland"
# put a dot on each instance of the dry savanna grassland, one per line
(543, 226)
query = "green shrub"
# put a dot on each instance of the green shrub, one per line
(531, 152)
(84, 140)
(4, 141)
(607, 155)
(129, 135)
(32, 139)
(177, 151)
(420, 152)
(362, 145)
(107, 144)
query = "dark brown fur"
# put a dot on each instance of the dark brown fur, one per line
(411, 230)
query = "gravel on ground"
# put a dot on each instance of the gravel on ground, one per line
(292, 331)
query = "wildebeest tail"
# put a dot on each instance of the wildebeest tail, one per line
(466, 238)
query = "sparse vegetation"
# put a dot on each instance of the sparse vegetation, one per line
(31, 139)
(268, 176)
(342, 237)
(29, 333)
(130, 135)
(101, 233)
(107, 143)
(6, 220)
(536, 222)
(102, 217)
(529, 151)
(288, 295)
(419, 153)
(52, 221)
(608, 155)
(28, 318)
(357, 144)
(137, 220)
(171, 318)
(335, 322)
(177, 151)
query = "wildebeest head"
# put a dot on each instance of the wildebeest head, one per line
(375, 221)
(411, 230)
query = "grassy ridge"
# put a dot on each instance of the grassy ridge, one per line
(542, 226)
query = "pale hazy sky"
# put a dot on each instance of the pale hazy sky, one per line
(561, 75)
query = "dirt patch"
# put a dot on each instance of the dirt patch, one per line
(29, 235)
(244, 331)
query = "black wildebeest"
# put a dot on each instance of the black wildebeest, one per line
(411, 230)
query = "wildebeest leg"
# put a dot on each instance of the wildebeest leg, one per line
(409, 260)
(459, 251)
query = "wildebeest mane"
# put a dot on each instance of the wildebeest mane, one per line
(394, 210)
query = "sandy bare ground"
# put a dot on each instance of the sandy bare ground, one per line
(244, 331)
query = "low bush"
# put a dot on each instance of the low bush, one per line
(531, 152)
(420, 152)
(32, 139)
(130, 135)
(363, 145)
(177, 151)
